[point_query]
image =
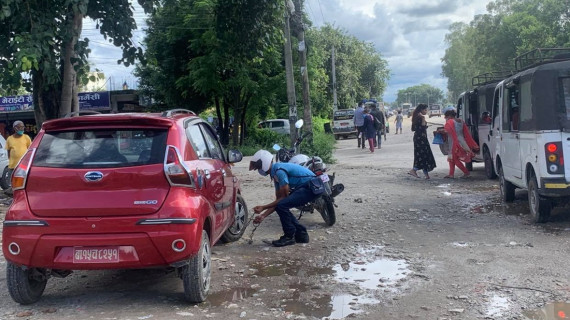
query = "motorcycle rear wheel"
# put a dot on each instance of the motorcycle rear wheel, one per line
(326, 209)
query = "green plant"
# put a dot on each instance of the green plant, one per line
(323, 146)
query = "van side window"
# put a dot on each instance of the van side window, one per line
(511, 111)
(526, 106)
(565, 96)
(277, 124)
(496, 106)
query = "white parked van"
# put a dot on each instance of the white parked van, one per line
(531, 130)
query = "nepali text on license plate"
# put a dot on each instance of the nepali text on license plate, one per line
(95, 254)
(324, 177)
(344, 124)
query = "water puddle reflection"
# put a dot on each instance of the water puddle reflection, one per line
(552, 311)
(372, 275)
(290, 268)
(226, 297)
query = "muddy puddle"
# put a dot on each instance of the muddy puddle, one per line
(356, 283)
(552, 311)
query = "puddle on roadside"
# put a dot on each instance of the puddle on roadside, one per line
(497, 305)
(290, 268)
(446, 193)
(228, 296)
(552, 311)
(329, 306)
(372, 275)
(512, 209)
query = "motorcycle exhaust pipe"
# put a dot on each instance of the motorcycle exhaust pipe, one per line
(337, 189)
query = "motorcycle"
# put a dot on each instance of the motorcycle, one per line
(324, 204)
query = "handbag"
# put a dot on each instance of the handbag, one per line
(437, 138)
(317, 186)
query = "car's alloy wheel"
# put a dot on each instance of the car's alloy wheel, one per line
(196, 274)
(236, 230)
(26, 285)
(5, 179)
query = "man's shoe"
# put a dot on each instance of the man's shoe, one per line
(283, 241)
(302, 237)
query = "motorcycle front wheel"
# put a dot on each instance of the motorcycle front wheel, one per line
(326, 209)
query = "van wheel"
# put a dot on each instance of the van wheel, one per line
(196, 274)
(539, 207)
(26, 285)
(489, 169)
(336, 136)
(236, 230)
(469, 165)
(507, 188)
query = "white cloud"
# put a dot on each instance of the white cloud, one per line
(408, 33)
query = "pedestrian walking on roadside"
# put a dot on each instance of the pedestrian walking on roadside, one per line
(461, 145)
(379, 124)
(359, 123)
(17, 144)
(398, 121)
(369, 129)
(423, 157)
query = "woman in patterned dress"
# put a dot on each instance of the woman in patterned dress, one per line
(423, 157)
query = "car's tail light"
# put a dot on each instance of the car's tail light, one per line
(176, 172)
(20, 175)
(554, 157)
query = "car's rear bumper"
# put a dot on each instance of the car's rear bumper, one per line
(138, 241)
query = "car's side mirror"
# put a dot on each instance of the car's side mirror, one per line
(234, 156)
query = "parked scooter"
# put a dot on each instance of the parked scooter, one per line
(324, 204)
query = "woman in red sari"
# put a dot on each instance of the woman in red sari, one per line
(461, 145)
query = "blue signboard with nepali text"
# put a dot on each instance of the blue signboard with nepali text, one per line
(87, 101)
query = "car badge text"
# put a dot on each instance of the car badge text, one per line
(92, 176)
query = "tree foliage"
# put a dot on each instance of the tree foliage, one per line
(42, 40)
(423, 93)
(491, 41)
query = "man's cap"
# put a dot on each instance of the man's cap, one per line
(17, 123)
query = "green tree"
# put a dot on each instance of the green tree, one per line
(423, 93)
(42, 39)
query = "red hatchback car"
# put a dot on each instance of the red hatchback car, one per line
(121, 191)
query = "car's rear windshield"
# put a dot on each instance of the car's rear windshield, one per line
(101, 148)
(343, 115)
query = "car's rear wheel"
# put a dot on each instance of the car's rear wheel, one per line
(26, 285)
(507, 188)
(336, 136)
(197, 273)
(539, 207)
(5, 179)
(236, 230)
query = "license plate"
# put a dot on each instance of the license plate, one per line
(95, 254)
(324, 177)
(344, 124)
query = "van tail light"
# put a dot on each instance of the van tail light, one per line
(175, 170)
(20, 175)
(554, 157)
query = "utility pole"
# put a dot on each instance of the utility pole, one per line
(291, 99)
(333, 69)
(300, 27)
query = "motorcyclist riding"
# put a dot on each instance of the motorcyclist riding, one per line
(291, 190)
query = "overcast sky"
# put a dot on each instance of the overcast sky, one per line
(409, 34)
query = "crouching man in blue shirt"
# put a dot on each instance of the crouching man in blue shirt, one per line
(291, 190)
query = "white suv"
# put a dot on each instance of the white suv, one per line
(531, 131)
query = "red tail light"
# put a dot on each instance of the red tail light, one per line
(175, 170)
(554, 157)
(20, 174)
